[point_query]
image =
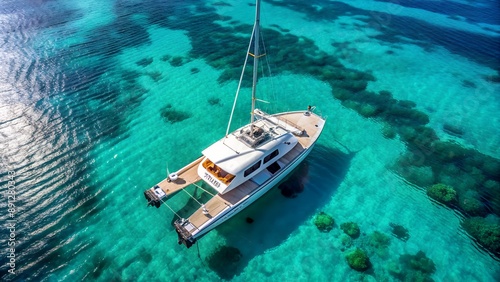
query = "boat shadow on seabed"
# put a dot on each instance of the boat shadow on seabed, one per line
(270, 220)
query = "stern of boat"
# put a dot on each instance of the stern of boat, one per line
(154, 196)
(183, 228)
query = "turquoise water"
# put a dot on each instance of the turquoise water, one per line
(98, 99)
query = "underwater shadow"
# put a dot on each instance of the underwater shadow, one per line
(275, 216)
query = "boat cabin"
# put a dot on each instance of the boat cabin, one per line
(245, 153)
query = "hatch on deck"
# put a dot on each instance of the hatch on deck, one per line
(254, 136)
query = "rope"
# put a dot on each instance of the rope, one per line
(171, 209)
(192, 197)
(199, 256)
(203, 189)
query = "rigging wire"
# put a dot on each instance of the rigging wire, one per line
(203, 189)
(193, 197)
(271, 75)
(239, 83)
(271, 93)
(171, 209)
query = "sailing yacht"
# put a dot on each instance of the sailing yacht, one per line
(244, 164)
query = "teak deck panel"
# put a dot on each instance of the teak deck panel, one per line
(307, 123)
(214, 207)
(186, 176)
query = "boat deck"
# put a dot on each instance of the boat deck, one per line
(186, 176)
(312, 125)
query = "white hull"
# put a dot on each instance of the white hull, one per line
(232, 210)
(270, 183)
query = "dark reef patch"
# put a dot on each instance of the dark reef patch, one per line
(416, 267)
(452, 129)
(130, 76)
(172, 115)
(351, 229)
(358, 260)
(177, 61)
(279, 28)
(486, 232)
(456, 10)
(155, 75)
(221, 4)
(400, 232)
(165, 58)
(108, 40)
(144, 62)
(394, 28)
(468, 84)
(495, 78)
(378, 242)
(145, 255)
(442, 193)
(225, 261)
(324, 222)
(213, 101)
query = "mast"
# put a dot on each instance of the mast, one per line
(255, 56)
(255, 36)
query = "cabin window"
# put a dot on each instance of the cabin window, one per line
(271, 156)
(251, 169)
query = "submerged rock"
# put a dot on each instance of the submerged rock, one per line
(351, 229)
(172, 116)
(420, 175)
(144, 62)
(485, 232)
(442, 193)
(346, 241)
(472, 205)
(388, 132)
(453, 130)
(324, 222)
(155, 75)
(177, 61)
(400, 232)
(214, 101)
(166, 58)
(416, 267)
(358, 260)
(419, 262)
(379, 242)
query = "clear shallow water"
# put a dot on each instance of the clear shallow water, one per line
(82, 92)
